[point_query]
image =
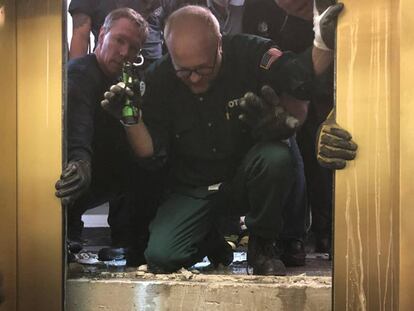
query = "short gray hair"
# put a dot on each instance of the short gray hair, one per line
(127, 13)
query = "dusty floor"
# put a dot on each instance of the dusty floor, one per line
(317, 265)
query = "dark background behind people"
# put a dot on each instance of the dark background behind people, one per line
(169, 6)
(229, 13)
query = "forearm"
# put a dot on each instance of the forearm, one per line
(321, 60)
(80, 117)
(140, 140)
(78, 46)
(80, 38)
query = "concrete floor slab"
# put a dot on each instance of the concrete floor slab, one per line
(187, 291)
(105, 287)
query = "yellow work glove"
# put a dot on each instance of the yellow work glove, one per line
(334, 145)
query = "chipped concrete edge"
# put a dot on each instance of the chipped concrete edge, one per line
(171, 279)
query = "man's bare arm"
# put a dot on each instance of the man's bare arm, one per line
(80, 38)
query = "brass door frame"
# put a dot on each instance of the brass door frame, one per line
(373, 216)
(8, 157)
(39, 110)
(30, 120)
(406, 211)
(373, 230)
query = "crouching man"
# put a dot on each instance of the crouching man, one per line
(226, 146)
(101, 165)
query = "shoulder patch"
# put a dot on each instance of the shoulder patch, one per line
(270, 57)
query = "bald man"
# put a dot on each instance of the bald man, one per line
(219, 164)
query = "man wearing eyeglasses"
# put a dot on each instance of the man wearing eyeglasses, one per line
(226, 146)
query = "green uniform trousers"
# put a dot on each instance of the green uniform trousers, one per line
(184, 229)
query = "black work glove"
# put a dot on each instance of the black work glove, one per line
(334, 145)
(325, 15)
(267, 118)
(114, 102)
(74, 181)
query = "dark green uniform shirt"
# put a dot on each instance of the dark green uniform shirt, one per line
(200, 135)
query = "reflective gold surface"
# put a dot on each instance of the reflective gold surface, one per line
(8, 156)
(406, 252)
(39, 93)
(373, 225)
(367, 193)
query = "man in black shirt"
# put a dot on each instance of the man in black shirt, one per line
(101, 166)
(219, 163)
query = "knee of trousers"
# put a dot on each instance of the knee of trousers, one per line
(165, 257)
(274, 159)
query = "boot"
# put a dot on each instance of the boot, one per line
(294, 254)
(111, 253)
(262, 257)
(222, 254)
(322, 244)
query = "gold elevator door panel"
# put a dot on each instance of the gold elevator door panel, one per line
(30, 157)
(373, 214)
(8, 156)
(39, 144)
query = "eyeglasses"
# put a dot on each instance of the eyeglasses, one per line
(201, 71)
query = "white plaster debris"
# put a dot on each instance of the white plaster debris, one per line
(298, 281)
(143, 268)
(187, 274)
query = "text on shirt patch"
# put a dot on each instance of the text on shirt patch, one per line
(270, 57)
(230, 108)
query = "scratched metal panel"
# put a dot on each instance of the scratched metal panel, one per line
(367, 192)
(39, 93)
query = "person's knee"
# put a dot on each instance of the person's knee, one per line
(163, 258)
(275, 159)
(158, 257)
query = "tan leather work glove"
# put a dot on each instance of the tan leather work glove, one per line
(334, 145)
